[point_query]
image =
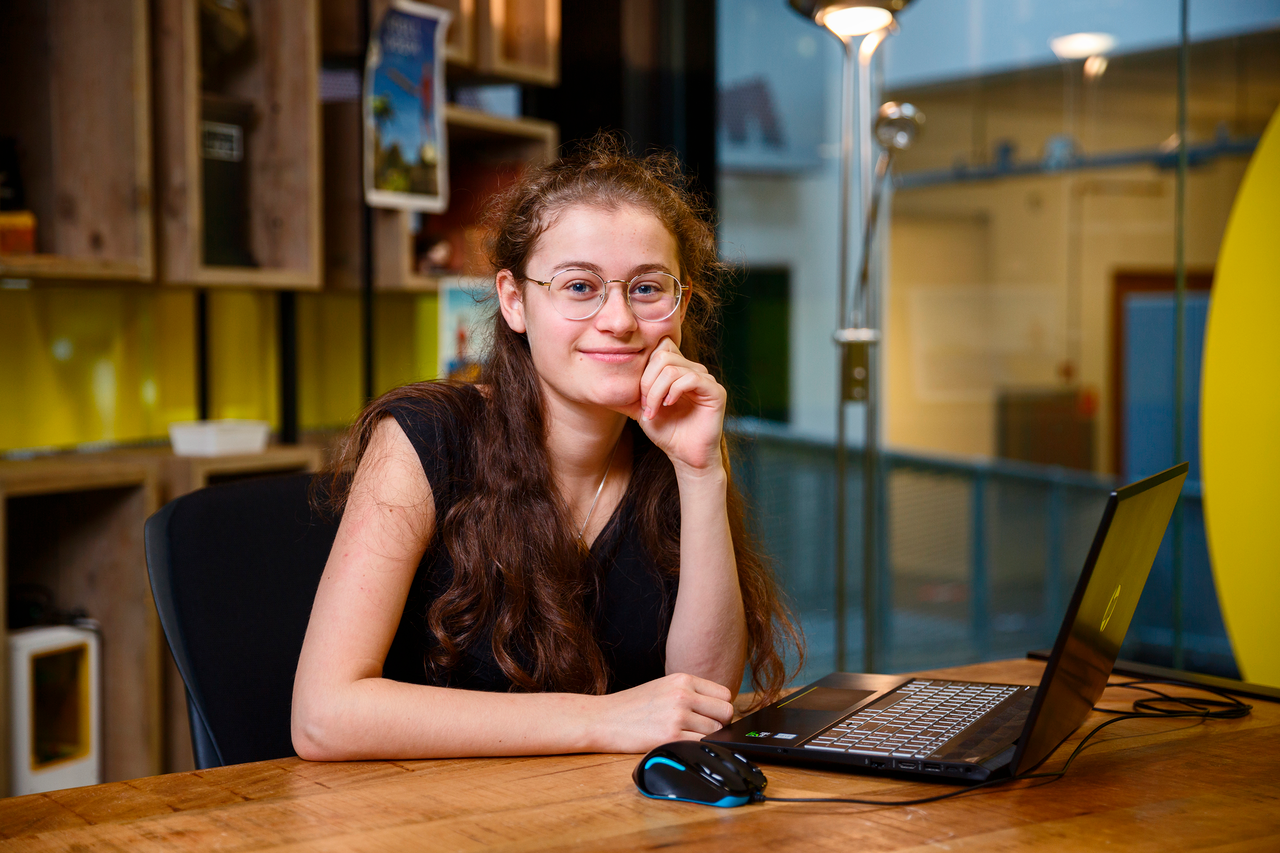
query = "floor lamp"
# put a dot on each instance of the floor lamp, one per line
(861, 26)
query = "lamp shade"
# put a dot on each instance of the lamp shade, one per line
(1082, 45)
(850, 18)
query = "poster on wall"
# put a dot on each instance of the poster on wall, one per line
(406, 155)
(770, 109)
(464, 333)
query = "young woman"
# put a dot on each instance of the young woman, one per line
(552, 560)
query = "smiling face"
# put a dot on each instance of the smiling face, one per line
(597, 361)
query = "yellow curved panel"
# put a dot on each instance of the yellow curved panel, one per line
(1240, 417)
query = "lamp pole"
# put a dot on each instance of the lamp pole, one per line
(861, 25)
(857, 335)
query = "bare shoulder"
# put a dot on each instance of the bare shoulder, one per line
(390, 478)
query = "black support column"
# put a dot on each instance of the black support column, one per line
(287, 318)
(643, 67)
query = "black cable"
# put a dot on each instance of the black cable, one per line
(1227, 708)
(1230, 708)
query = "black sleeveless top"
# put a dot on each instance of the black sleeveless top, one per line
(632, 617)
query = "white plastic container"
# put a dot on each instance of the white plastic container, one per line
(224, 437)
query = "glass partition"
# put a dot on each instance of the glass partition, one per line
(1065, 201)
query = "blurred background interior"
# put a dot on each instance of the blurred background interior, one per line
(1065, 196)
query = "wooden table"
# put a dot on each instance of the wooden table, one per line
(1146, 785)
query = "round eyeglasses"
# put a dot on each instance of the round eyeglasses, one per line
(580, 294)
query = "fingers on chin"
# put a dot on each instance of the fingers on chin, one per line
(688, 382)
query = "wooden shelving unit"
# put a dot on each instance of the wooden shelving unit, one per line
(74, 526)
(117, 198)
(275, 194)
(75, 97)
(180, 475)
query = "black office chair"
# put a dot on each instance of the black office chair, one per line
(234, 570)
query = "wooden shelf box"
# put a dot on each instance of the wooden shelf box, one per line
(485, 153)
(343, 196)
(340, 29)
(75, 98)
(519, 40)
(254, 117)
(74, 526)
(460, 48)
(489, 40)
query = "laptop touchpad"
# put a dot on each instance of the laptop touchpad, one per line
(826, 699)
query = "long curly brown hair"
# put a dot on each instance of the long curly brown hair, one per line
(519, 567)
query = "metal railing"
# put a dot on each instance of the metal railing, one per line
(978, 556)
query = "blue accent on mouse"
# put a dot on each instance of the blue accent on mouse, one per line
(725, 803)
(696, 772)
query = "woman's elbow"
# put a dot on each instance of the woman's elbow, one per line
(314, 732)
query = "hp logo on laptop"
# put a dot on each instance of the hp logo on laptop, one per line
(1111, 608)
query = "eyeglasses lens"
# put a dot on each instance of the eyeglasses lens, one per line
(579, 294)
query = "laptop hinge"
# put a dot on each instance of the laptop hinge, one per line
(1000, 760)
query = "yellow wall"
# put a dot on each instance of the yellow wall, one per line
(329, 344)
(406, 340)
(89, 364)
(244, 367)
(330, 351)
(102, 363)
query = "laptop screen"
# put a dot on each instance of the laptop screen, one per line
(1106, 596)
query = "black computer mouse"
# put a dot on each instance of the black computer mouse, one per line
(699, 772)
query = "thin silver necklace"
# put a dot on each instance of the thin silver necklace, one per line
(607, 468)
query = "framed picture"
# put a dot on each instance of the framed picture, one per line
(406, 153)
(464, 332)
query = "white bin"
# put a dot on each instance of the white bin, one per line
(225, 437)
(55, 688)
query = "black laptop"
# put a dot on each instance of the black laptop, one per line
(967, 731)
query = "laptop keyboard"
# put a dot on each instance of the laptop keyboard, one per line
(931, 713)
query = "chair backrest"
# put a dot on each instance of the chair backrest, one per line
(234, 570)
